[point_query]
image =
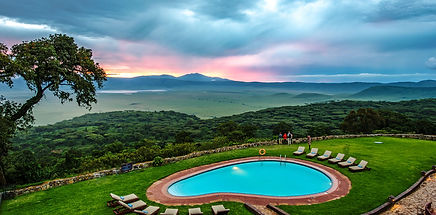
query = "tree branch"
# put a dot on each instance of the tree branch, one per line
(28, 105)
(32, 101)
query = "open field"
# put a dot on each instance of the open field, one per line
(396, 164)
(215, 99)
(203, 104)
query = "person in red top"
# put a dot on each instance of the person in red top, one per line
(284, 137)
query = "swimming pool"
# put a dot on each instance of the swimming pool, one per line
(270, 178)
(253, 180)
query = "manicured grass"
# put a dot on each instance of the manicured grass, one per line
(396, 164)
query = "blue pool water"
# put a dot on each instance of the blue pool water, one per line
(270, 178)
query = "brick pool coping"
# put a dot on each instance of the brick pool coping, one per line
(158, 191)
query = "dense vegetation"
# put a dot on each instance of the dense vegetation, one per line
(396, 164)
(97, 141)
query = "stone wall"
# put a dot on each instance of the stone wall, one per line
(102, 173)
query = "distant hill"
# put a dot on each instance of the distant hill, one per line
(199, 77)
(425, 83)
(199, 82)
(395, 93)
(310, 96)
(282, 95)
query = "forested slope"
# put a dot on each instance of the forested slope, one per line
(106, 140)
(96, 130)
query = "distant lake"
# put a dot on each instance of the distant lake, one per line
(128, 91)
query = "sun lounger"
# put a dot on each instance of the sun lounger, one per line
(170, 211)
(130, 207)
(219, 210)
(126, 199)
(299, 151)
(361, 166)
(325, 156)
(349, 162)
(312, 153)
(337, 159)
(150, 210)
(195, 211)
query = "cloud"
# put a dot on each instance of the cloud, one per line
(360, 75)
(218, 28)
(363, 77)
(431, 63)
(270, 37)
(404, 9)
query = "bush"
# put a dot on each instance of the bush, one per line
(146, 153)
(173, 150)
(158, 161)
(115, 147)
(184, 137)
(220, 141)
(236, 136)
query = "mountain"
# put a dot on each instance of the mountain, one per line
(199, 82)
(395, 93)
(425, 83)
(200, 77)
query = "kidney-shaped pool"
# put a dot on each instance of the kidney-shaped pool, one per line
(251, 180)
(270, 178)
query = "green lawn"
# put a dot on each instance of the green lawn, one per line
(396, 164)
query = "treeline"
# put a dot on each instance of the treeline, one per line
(368, 120)
(105, 140)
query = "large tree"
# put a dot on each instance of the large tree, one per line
(56, 64)
(364, 120)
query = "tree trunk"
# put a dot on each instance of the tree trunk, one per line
(28, 105)
(2, 175)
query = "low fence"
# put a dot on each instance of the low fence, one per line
(393, 199)
(102, 173)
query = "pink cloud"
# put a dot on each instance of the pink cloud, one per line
(132, 59)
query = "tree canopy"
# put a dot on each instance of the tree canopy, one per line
(56, 64)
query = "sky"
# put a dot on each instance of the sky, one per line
(245, 40)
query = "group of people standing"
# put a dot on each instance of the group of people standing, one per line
(285, 138)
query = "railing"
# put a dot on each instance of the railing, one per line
(393, 199)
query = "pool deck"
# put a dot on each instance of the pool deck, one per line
(158, 191)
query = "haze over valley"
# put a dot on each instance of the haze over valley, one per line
(209, 97)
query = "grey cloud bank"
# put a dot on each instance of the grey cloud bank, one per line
(323, 37)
